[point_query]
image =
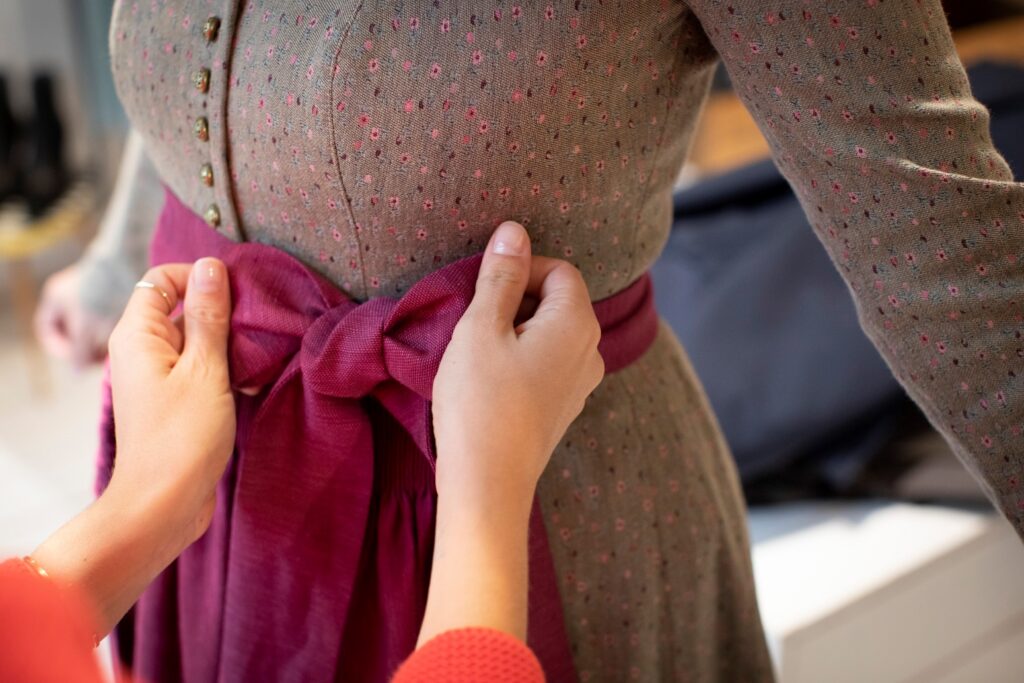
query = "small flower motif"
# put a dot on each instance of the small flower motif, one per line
(414, 23)
(375, 134)
(861, 152)
(549, 13)
(373, 65)
(363, 120)
(477, 57)
(435, 70)
(581, 42)
(446, 25)
(517, 11)
(890, 137)
(484, 127)
(393, 202)
(542, 58)
(421, 234)
(428, 204)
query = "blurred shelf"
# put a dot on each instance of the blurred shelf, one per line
(22, 237)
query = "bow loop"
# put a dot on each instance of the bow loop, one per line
(275, 300)
(343, 352)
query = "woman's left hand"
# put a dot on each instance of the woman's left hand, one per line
(174, 419)
(174, 412)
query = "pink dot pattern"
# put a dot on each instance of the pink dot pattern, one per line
(378, 141)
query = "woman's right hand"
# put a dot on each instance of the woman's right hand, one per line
(505, 394)
(503, 397)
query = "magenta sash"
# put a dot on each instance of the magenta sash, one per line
(317, 562)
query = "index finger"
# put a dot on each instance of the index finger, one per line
(553, 276)
(149, 310)
(170, 279)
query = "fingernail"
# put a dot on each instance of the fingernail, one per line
(510, 239)
(208, 275)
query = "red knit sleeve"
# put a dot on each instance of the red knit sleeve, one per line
(470, 655)
(44, 631)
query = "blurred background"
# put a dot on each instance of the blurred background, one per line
(876, 556)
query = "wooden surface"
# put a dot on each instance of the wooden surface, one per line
(727, 136)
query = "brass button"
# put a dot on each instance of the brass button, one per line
(202, 129)
(212, 215)
(206, 174)
(201, 79)
(210, 28)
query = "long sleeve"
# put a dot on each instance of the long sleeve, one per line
(44, 632)
(118, 255)
(870, 117)
(466, 655)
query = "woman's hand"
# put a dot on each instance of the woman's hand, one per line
(65, 327)
(175, 425)
(505, 393)
(503, 397)
(174, 412)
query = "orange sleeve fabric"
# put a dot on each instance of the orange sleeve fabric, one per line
(45, 631)
(471, 655)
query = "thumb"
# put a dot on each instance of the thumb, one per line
(207, 311)
(504, 274)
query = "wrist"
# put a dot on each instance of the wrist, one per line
(146, 519)
(108, 553)
(498, 507)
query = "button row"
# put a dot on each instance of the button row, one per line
(201, 127)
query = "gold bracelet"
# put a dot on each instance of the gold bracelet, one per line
(39, 571)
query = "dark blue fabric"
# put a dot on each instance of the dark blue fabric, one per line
(769, 324)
